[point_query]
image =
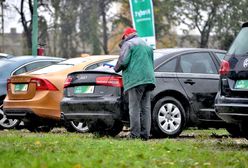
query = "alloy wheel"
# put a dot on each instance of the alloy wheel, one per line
(7, 123)
(80, 126)
(169, 118)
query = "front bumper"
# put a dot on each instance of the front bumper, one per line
(231, 110)
(91, 108)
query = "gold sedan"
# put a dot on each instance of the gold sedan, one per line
(35, 97)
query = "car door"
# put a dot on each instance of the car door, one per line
(166, 78)
(198, 75)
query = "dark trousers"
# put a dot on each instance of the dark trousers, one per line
(140, 111)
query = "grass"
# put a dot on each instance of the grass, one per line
(204, 148)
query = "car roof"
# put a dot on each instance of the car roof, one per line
(75, 63)
(17, 61)
(164, 54)
(31, 58)
(176, 50)
(5, 55)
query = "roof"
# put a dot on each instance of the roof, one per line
(175, 50)
(161, 55)
(31, 58)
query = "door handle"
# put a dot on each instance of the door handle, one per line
(189, 81)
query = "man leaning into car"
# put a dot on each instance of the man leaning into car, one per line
(136, 64)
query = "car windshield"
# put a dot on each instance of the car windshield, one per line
(239, 46)
(60, 66)
(109, 65)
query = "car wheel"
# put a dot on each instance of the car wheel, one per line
(36, 128)
(116, 129)
(244, 129)
(74, 126)
(168, 118)
(7, 123)
(102, 129)
(234, 130)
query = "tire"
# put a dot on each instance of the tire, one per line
(38, 128)
(7, 123)
(100, 128)
(244, 129)
(234, 130)
(164, 122)
(74, 126)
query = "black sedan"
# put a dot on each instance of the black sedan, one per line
(186, 85)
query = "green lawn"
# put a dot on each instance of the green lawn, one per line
(195, 148)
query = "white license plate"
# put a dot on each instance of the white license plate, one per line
(241, 84)
(21, 87)
(83, 89)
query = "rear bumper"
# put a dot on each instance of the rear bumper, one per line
(44, 107)
(91, 108)
(28, 116)
(232, 110)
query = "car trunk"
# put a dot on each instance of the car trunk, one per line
(235, 83)
(26, 87)
(20, 88)
(235, 68)
(93, 84)
(96, 91)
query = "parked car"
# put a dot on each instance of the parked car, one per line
(4, 55)
(9, 66)
(35, 97)
(186, 85)
(231, 102)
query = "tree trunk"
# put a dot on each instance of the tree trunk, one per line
(26, 27)
(104, 26)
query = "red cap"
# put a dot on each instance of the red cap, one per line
(128, 31)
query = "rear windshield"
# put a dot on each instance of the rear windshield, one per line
(60, 66)
(239, 46)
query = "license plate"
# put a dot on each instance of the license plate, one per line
(21, 87)
(83, 89)
(241, 84)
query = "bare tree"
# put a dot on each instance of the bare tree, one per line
(200, 15)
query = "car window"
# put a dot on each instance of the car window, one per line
(52, 68)
(37, 65)
(220, 56)
(169, 66)
(239, 46)
(20, 71)
(94, 66)
(197, 63)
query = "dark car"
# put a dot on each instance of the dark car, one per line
(9, 66)
(231, 102)
(186, 85)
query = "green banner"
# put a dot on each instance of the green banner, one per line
(143, 20)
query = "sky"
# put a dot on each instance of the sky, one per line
(12, 18)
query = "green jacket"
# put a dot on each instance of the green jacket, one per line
(136, 63)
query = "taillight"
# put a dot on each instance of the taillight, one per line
(43, 84)
(114, 81)
(67, 81)
(8, 83)
(224, 67)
